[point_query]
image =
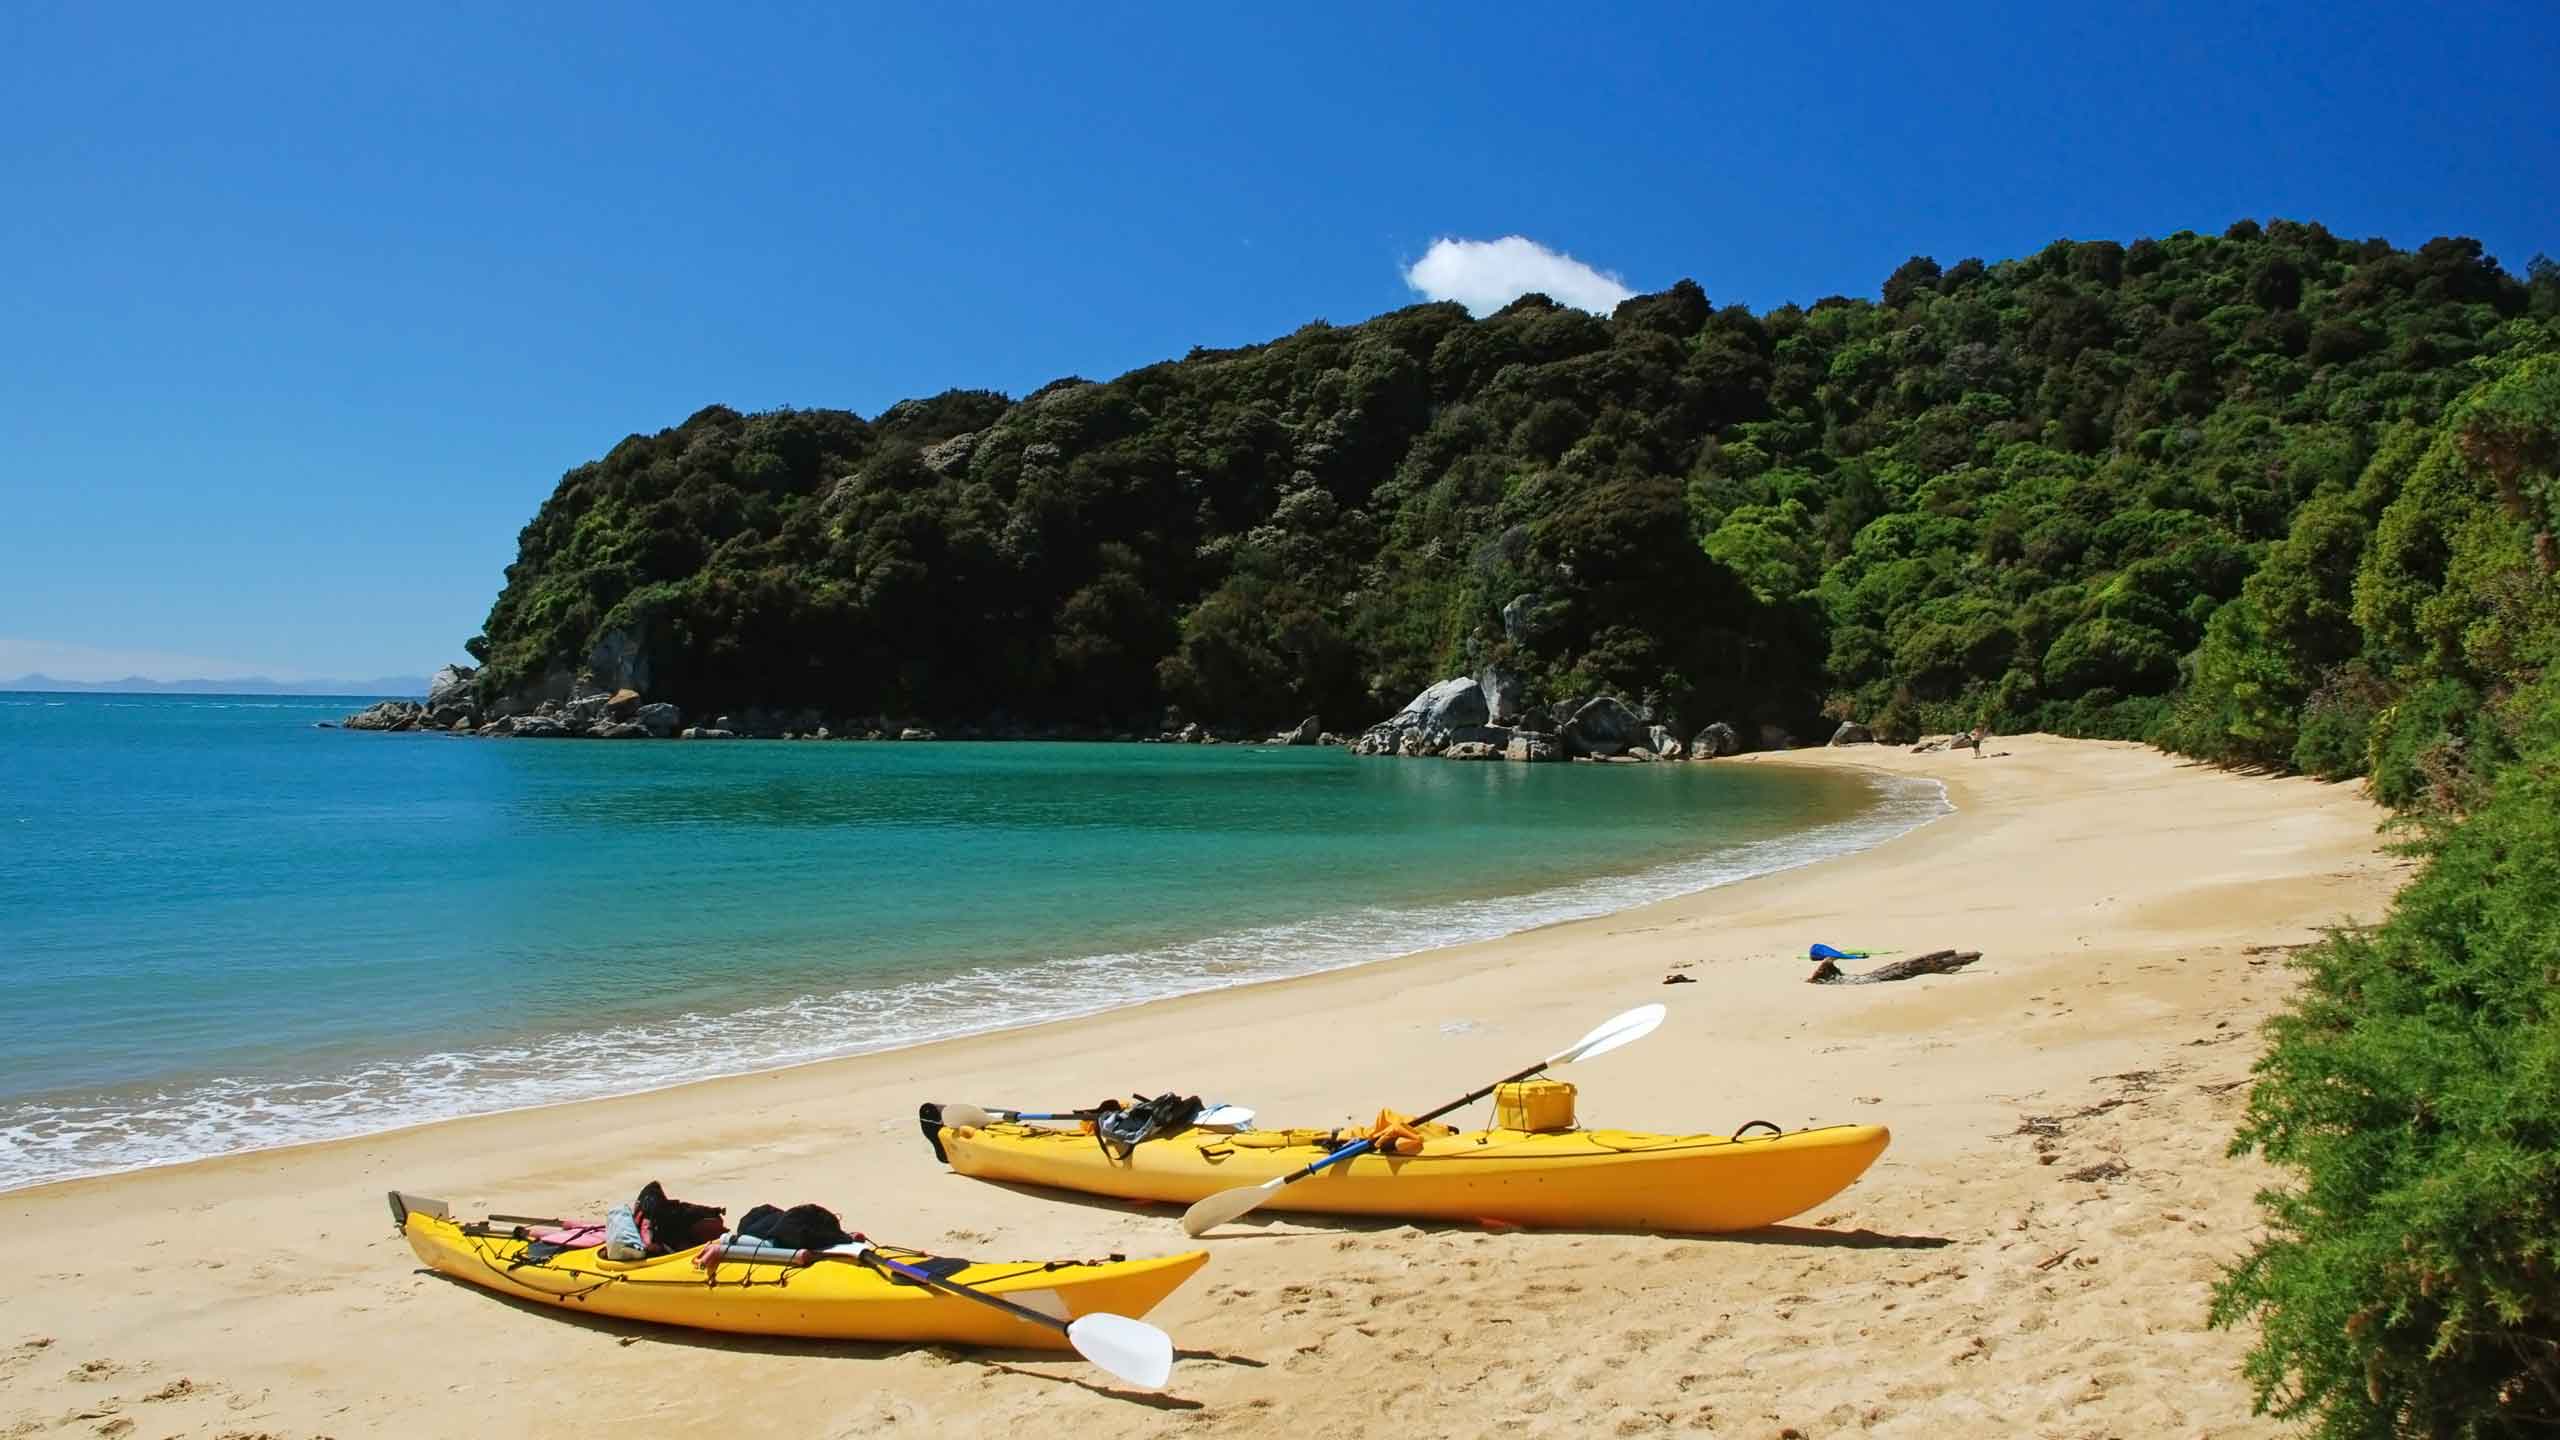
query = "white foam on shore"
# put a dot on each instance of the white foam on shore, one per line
(133, 1130)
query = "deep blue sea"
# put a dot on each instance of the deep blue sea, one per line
(222, 927)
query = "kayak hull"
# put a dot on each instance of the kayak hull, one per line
(1576, 1179)
(833, 1299)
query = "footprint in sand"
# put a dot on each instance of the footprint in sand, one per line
(95, 1370)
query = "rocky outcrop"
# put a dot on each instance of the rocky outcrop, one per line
(1520, 618)
(1532, 746)
(619, 662)
(587, 714)
(1484, 714)
(388, 716)
(1307, 733)
(1716, 740)
(450, 686)
(1604, 727)
(1445, 706)
(556, 685)
(708, 732)
(1852, 733)
(1426, 724)
(916, 732)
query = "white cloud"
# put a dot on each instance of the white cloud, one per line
(1485, 275)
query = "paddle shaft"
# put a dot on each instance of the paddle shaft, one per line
(1216, 1210)
(1363, 1147)
(954, 1287)
(1471, 1097)
(752, 1252)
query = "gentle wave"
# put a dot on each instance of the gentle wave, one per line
(45, 1142)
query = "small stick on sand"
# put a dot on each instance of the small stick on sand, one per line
(1936, 962)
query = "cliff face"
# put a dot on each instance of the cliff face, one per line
(2019, 490)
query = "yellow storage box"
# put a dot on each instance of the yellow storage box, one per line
(1537, 1106)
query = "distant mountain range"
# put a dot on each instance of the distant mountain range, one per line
(244, 685)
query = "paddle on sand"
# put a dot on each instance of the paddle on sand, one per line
(1227, 1205)
(1133, 1350)
(958, 1115)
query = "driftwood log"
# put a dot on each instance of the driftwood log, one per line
(1936, 962)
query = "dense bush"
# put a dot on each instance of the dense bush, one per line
(2411, 1282)
(2023, 491)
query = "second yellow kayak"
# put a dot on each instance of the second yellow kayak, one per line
(1571, 1179)
(833, 1299)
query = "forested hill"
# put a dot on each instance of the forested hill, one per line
(2021, 491)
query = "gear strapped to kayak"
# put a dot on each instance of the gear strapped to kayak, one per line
(850, 1290)
(1121, 1129)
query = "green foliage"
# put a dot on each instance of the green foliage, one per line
(2024, 489)
(2336, 733)
(2407, 1286)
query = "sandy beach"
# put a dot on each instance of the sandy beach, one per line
(2031, 1257)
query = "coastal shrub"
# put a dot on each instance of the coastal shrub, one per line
(2421, 747)
(2336, 731)
(2410, 1280)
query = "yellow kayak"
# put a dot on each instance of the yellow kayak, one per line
(833, 1299)
(1569, 1179)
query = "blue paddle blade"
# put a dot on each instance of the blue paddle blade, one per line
(1825, 952)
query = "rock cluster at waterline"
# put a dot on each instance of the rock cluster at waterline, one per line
(1464, 718)
(1480, 718)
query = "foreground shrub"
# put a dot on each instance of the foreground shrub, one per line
(2409, 1285)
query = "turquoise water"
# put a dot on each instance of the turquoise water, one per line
(222, 927)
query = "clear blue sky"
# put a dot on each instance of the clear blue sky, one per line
(306, 313)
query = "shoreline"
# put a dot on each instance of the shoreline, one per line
(2118, 895)
(1893, 811)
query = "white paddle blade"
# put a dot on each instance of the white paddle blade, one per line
(966, 1117)
(1224, 1117)
(1609, 1035)
(1207, 1215)
(1131, 1349)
